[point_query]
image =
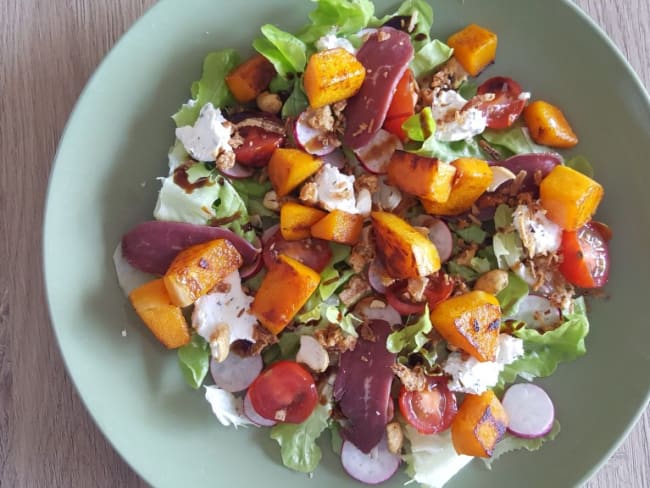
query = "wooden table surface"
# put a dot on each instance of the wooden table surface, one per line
(48, 49)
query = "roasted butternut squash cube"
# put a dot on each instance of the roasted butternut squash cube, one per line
(474, 47)
(423, 177)
(470, 322)
(331, 76)
(296, 220)
(548, 126)
(164, 319)
(250, 78)
(288, 168)
(197, 269)
(405, 252)
(569, 197)
(339, 226)
(473, 176)
(285, 289)
(480, 423)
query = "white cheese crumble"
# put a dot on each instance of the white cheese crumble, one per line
(230, 307)
(452, 122)
(209, 135)
(335, 191)
(226, 407)
(330, 41)
(538, 234)
(475, 377)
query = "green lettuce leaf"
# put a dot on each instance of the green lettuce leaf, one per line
(347, 16)
(286, 52)
(448, 151)
(331, 277)
(346, 321)
(429, 57)
(513, 443)
(581, 164)
(510, 296)
(502, 217)
(471, 233)
(412, 338)
(419, 127)
(468, 89)
(217, 203)
(298, 446)
(508, 249)
(515, 139)
(211, 88)
(424, 20)
(252, 193)
(465, 272)
(194, 360)
(543, 352)
(296, 103)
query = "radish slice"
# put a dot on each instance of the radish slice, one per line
(268, 233)
(311, 139)
(372, 468)
(238, 172)
(378, 277)
(439, 234)
(235, 373)
(530, 410)
(253, 416)
(251, 269)
(376, 155)
(375, 309)
(538, 312)
(336, 159)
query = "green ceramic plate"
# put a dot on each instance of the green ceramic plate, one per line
(103, 182)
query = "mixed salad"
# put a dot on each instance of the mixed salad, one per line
(357, 236)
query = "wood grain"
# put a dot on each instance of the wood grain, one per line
(48, 49)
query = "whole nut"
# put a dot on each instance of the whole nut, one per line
(492, 282)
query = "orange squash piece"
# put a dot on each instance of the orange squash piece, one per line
(473, 176)
(423, 177)
(296, 220)
(405, 252)
(480, 423)
(288, 168)
(474, 47)
(197, 269)
(331, 76)
(339, 226)
(250, 78)
(548, 126)
(285, 289)
(470, 322)
(164, 319)
(569, 197)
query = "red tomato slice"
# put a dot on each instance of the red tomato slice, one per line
(585, 257)
(438, 289)
(314, 253)
(284, 392)
(431, 410)
(402, 105)
(258, 146)
(506, 107)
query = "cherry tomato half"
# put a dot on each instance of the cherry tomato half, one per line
(506, 107)
(439, 288)
(285, 392)
(314, 253)
(402, 105)
(258, 146)
(585, 257)
(431, 410)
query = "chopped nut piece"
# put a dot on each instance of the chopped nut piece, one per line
(225, 160)
(269, 102)
(321, 118)
(355, 290)
(333, 339)
(371, 182)
(412, 379)
(416, 287)
(394, 437)
(309, 193)
(312, 354)
(220, 342)
(271, 201)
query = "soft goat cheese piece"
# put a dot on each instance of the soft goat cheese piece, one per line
(230, 307)
(330, 41)
(452, 122)
(475, 377)
(538, 234)
(209, 135)
(335, 190)
(226, 407)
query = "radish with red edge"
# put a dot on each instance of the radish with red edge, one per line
(335, 159)
(378, 277)
(375, 467)
(238, 172)
(255, 417)
(375, 309)
(375, 155)
(235, 373)
(316, 141)
(251, 269)
(530, 410)
(538, 312)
